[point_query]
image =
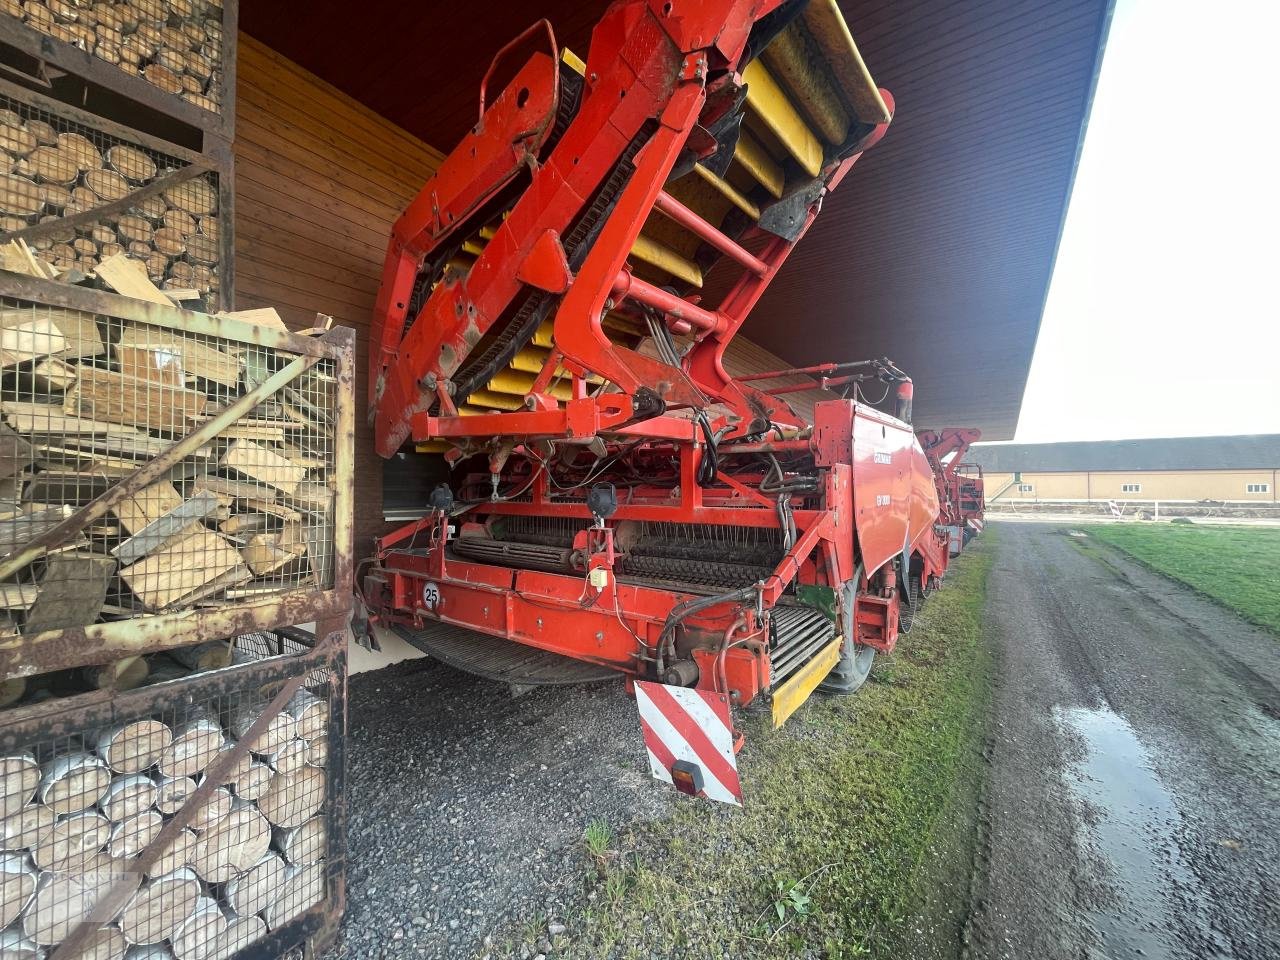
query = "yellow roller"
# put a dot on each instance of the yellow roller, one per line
(501, 401)
(795, 61)
(831, 34)
(765, 96)
(726, 190)
(432, 446)
(650, 251)
(756, 161)
(519, 384)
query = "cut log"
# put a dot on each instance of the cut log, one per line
(170, 242)
(107, 186)
(64, 899)
(172, 792)
(303, 888)
(107, 395)
(19, 831)
(147, 506)
(233, 846)
(294, 798)
(71, 842)
(73, 588)
(184, 518)
(136, 229)
(263, 464)
(131, 163)
(261, 316)
(259, 886)
(241, 932)
(195, 743)
(289, 757)
(102, 943)
(200, 934)
(14, 946)
(130, 837)
(319, 755)
(213, 812)
(17, 141)
(280, 729)
(254, 782)
(17, 887)
(135, 746)
(19, 777)
(156, 366)
(243, 524)
(81, 150)
(128, 277)
(196, 197)
(304, 844)
(175, 856)
(72, 782)
(213, 655)
(126, 674)
(15, 453)
(18, 596)
(268, 552)
(195, 359)
(18, 532)
(128, 796)
(311, 713)
(25, 335)
(236, 489)
(19, 196)
(181, 567)
(54, 165)
(157, 911)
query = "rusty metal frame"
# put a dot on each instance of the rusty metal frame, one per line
(102, 642)
(319, 925)
(218, 158)
(83, 64)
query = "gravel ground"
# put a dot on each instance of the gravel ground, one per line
(467, 807)
(1133, 799)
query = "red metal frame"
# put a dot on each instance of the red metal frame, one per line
(654, 71)
(959, 484)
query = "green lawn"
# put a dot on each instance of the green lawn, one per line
(855, 809)
(1237, 566)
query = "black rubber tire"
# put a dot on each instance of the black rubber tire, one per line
(852, 670)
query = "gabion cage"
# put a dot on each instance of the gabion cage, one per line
(175, 45)
(161, 209)
(194, 819)
(155, 462)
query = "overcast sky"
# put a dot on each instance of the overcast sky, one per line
(1163, 316)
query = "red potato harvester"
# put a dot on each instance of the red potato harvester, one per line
(959, 484)
(546, 324)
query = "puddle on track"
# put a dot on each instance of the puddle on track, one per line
(1137, 823)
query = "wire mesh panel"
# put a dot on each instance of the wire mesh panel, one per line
(175, 45)
(159, 209)
(193, 820)
(203, 467)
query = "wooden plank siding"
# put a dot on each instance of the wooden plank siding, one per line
(319, 181)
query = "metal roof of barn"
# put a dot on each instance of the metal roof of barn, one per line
(938, 248)
(1255, 451)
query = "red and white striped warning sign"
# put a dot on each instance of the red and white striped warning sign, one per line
(976, 525)
(689, 731)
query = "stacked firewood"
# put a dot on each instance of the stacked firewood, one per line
(86, 402)
(249, 859)
(174, 44)
(58, 173)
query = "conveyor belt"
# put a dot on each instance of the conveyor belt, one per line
(496, 658)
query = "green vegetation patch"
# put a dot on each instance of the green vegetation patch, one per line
(846, 808)
(1237, 566)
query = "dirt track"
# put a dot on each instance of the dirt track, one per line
(1133, 800)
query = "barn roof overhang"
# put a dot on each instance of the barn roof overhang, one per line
(937, 251)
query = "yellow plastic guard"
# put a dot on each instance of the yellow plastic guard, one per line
(788, 698)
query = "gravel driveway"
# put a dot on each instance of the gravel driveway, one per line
(1133, 799)
(467, 807)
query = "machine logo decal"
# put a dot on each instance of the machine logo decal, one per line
(430, 595)
(688, 731)
(883, 499)
(883, 458)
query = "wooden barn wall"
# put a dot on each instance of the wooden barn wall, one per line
(319, 181)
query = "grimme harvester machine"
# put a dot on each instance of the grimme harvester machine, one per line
(546, 323)
(961, 495)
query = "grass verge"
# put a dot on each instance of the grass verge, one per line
(1237, 566)
(847, 808)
